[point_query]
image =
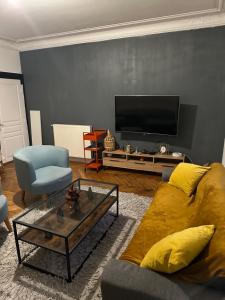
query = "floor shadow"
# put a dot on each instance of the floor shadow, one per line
(17, 199)
(28, 200)
(122, 224)
(3, 234)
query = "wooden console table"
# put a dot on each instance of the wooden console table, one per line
(139, 161)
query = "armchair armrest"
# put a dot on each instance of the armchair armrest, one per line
(60, 156)
(25, 172)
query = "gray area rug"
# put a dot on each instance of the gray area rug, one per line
(20, 282)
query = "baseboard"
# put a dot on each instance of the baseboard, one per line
(79, 159)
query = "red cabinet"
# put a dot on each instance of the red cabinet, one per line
(96, 137)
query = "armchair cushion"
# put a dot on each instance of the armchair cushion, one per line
(51, 178)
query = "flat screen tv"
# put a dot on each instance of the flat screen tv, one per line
(147, 114)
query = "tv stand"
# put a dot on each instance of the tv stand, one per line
(139, 161)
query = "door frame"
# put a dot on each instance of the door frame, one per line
(7, 75)
(18, 76)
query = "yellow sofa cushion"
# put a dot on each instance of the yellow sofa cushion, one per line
(187, 176)
(177, 250)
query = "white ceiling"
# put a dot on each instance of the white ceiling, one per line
(31, 20)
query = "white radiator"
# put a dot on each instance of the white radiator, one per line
(71, 138)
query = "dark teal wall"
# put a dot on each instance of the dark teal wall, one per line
(76, 85)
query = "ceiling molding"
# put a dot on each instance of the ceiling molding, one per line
(179, 22)
(8, 44)
(141, 29)
(124, 24)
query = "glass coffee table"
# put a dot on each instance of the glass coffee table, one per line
(62, 221)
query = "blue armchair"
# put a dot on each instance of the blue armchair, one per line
(4, 211)
(42, 169)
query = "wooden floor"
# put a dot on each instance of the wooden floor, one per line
(128, 181)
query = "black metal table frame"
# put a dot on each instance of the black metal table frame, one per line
(18, 237)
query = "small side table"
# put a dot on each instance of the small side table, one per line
(96, 148)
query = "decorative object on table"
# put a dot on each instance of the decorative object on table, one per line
(109, 142)
(60, 212)
(72, 194)
(136, 151)
(48, 235)
(69, 192)
(76, 206)
(177, 154)
(72, 197)
(128, 148)
(48, 200)
(90, 193)
(163, 148)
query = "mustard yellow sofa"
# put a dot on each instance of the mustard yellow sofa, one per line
(171, 211)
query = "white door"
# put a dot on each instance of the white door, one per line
(13, 123)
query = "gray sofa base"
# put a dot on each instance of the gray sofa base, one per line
(122, 280)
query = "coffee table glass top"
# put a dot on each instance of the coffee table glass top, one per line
(64, 211)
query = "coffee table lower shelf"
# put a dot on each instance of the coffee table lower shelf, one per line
(32, 236)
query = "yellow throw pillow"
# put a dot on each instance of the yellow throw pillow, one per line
(187, 176)
(177, 250)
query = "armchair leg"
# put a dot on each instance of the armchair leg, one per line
(23, 195)
(8, 225)
(44, 197)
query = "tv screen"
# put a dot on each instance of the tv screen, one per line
(147, 114)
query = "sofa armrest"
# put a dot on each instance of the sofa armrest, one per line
(166, 173)
(25, 172)
(123, 280)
